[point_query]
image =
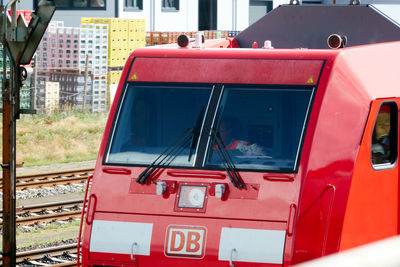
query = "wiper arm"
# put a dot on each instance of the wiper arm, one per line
(196, 133)
(227, 161)
(175, 148)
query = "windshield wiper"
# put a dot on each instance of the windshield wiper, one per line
(227, 161)
(196, 133)
(174, 149)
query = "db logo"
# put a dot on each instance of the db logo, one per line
(185, 241)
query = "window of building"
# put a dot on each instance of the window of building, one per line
(133, 5)
(384, 137)
(77, 4)
(170, 5)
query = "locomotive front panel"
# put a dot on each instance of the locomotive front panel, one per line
(201, 172)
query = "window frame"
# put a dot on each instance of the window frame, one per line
(262, 87)
(72, 7)
(173, 8)
(209, 119)
(137, 8)
(394, 124)
(197, 156)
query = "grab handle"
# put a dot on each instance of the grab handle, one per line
(231, 264)
(81, 223)
(134, 244)
(90, 213)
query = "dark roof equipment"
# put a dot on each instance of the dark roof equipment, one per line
(309, 26)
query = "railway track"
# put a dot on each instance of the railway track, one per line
(51, 179)
(60, 256)
(49, 212)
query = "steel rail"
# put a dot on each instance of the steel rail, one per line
(51, 252)
(48, 212)
(51, 179)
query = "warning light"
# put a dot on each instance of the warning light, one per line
(192, 196)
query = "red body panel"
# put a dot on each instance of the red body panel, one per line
(317, 206)
(372, 210)
(296, 72)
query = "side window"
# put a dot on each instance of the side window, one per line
(385, 136)
(170, 5)
(134, 5)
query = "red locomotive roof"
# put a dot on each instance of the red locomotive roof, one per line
(372, 67)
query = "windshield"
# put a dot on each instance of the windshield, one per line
(150, 120)
(259, 128)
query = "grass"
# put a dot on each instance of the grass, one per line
(58, 138)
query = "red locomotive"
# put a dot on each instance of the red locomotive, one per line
(228, 155)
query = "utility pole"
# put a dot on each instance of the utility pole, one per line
(19, 45)
(85, 81)
(34, 84)
(9, 141)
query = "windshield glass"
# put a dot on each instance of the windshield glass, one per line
(152, 118)
(260, 128)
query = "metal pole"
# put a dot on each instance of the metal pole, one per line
(34, 83)
(85, 82)
(9, 129)
(234, 15)
(9, 148)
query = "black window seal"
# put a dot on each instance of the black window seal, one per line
(264, 87)
(118, 109)
(200, 160)
(393, 138)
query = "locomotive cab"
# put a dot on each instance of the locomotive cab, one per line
(233, 156)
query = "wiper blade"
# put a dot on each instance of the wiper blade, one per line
(227, 161)
(196, 133)
(174, 149)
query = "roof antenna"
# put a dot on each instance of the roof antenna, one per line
(355, 2)
(295, 2)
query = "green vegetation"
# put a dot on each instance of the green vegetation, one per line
(59, 138)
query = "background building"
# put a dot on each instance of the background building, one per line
(177, 15)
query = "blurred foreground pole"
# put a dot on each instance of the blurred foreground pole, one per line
(19, 45)
(9, 162)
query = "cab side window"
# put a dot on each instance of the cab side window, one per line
(384, 136)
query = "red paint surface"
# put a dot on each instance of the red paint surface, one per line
(194, 70)
(333, 184)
